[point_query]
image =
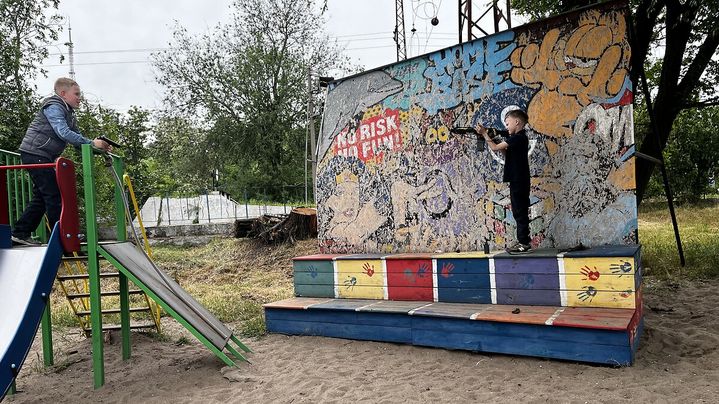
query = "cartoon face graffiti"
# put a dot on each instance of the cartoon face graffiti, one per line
(353, 218)
(590, 64)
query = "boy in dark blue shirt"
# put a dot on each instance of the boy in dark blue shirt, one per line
(516, 171)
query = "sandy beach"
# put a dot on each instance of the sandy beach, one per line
(676, 362)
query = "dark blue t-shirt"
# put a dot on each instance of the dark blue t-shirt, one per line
(516, 160)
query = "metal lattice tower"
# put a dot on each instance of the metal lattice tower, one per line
(71, 53)
(472, 25)
(399, 37)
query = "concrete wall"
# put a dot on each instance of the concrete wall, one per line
(392, 178)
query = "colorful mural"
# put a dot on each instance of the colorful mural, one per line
(596, 277)
(393, 178)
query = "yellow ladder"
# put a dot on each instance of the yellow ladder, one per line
(74, 283)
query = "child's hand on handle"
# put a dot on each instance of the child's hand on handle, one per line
(101, 144)
(482, 131)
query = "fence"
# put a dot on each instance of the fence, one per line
(19, 187)
(212, 207)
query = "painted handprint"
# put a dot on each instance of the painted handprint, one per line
(527, 281)
(589, 274)
(409, 275)
(350, 282)
(622, 268)
(368, 269)
(587, 294)
(422, 271)
(447, 269)
(312, 270)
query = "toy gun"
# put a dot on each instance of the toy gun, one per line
(110, 142)
(468, 130)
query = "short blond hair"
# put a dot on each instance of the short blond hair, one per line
(64, 83)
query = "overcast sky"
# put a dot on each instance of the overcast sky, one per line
(113, 40)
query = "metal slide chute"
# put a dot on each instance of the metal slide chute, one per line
(207, 328)
(26, 278)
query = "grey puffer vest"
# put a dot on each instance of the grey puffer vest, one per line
(40, 138)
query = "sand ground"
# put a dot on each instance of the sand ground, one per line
(677, 362)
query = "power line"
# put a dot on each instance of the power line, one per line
(139, 50)
(115, 51)
(101, 63)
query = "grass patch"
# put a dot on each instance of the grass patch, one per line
(182, 341)
(62, 316)
(233, 278)
(699, 230)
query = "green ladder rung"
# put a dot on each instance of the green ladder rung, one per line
(108, 293)
(86, 276)
(115, 311)
(119, 327)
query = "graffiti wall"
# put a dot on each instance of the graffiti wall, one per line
(393, 178)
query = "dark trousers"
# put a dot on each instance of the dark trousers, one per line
(519, 198)
(45, 197)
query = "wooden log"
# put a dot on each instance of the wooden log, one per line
(300, 224)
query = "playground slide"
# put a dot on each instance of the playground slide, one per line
(26, 278)
(168, 294)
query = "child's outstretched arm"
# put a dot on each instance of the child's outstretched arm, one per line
(501, 146)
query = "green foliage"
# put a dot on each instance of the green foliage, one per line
(540, 9)
(692, 152)
(239, 94)
(180, 157)
(131, 131)
(26, 28)
(692, 155)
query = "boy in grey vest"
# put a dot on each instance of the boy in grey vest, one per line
(53, 127)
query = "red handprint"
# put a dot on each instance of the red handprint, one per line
(368, 269)
(591, 275)
(447, 269)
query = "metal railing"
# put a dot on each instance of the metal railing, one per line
(210, 207)
(19, 187)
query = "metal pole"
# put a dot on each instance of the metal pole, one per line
(313, 140)
(93, 268)
(509, 16)
(307, 134)
(120, 216)
(47, 350)
(662, 166)
(309, 123)
(207, 201)
(10, 199)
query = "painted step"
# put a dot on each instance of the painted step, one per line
(596, 335)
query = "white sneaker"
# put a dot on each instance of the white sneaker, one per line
(25, 241)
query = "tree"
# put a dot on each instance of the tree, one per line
(689, 68)
(244, 83)
(178, 157)
(130, 130)
(25, 31)
(691, 156)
